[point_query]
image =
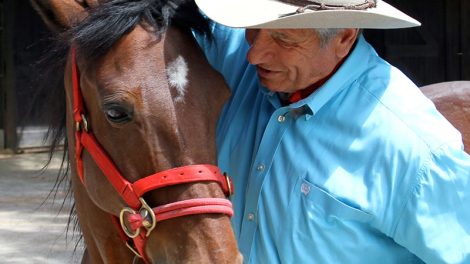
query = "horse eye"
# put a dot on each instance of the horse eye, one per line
(118, 114)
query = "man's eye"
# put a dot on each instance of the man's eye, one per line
(286, 43)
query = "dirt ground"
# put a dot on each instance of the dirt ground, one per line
(32, 226)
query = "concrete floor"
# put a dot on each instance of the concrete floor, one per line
(32, 225)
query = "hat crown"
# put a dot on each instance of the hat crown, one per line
(331, 4)
(306, 14)
(337, 2)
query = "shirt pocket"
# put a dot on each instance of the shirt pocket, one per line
(321, 227)
(318, 203)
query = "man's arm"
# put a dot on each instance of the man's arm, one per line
(435, 223)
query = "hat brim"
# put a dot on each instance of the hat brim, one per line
(269, 14)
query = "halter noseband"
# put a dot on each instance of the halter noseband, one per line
(137, 221)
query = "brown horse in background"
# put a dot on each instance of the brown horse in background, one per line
(452, 99)
(152, 101)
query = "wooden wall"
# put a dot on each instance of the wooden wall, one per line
(22, 38)
(435, 52)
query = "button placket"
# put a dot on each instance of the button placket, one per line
(250, 217)
(271, 138)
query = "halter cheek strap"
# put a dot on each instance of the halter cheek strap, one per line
(137, 221)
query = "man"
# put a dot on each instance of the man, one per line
(336, 156)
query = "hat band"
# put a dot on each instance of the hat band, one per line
(315, 6)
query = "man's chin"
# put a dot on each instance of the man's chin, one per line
(275, 87)
(271, 85)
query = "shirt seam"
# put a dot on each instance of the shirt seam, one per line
(397, 117)
(417, 181)
(425, 142)
(417, 185)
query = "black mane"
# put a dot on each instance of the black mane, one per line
(112, 20)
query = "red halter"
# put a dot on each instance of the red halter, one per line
(139, 216)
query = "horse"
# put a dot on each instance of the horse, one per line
(139, 98)
(452, 99)
(151, 102)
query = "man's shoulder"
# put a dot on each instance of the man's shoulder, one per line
(220, 33)
(407, 111)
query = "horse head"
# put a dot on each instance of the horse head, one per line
(150, 101)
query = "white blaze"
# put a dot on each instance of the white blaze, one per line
(177, 72)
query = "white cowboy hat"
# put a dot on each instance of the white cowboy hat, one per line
(306, 14)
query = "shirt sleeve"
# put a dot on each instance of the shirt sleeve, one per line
(435, 223)
(226, 52)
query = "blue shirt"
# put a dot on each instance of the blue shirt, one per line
(364, 170)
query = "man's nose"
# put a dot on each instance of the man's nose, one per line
(260, 47)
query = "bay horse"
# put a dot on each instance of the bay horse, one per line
(452, 99)
(140, 99)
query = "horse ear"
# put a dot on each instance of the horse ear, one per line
(60, 15)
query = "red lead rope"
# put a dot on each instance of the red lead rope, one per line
(182, 208)
(138, 220)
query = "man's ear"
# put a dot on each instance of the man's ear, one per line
(344, 41)
(60, 15)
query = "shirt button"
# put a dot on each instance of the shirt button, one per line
(260, 167)
(305, 188)
(281, 119)
(251, 217)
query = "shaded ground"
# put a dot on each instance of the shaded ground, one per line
(32, 228)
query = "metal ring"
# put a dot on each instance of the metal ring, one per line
(229, 185)
(146, 212)
(134, 251)
(77, 126)
(85, 123)
(123, 225)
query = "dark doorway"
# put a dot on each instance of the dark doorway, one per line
(435, 52)
(24, 39)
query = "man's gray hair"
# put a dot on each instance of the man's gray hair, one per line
(327, 34)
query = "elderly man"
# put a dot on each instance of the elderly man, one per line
(337, 157)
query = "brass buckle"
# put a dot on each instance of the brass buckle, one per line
(229, 184)
(147, 214)
(128, 232)
(83, 124)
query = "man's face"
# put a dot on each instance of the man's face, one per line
(288, 60)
